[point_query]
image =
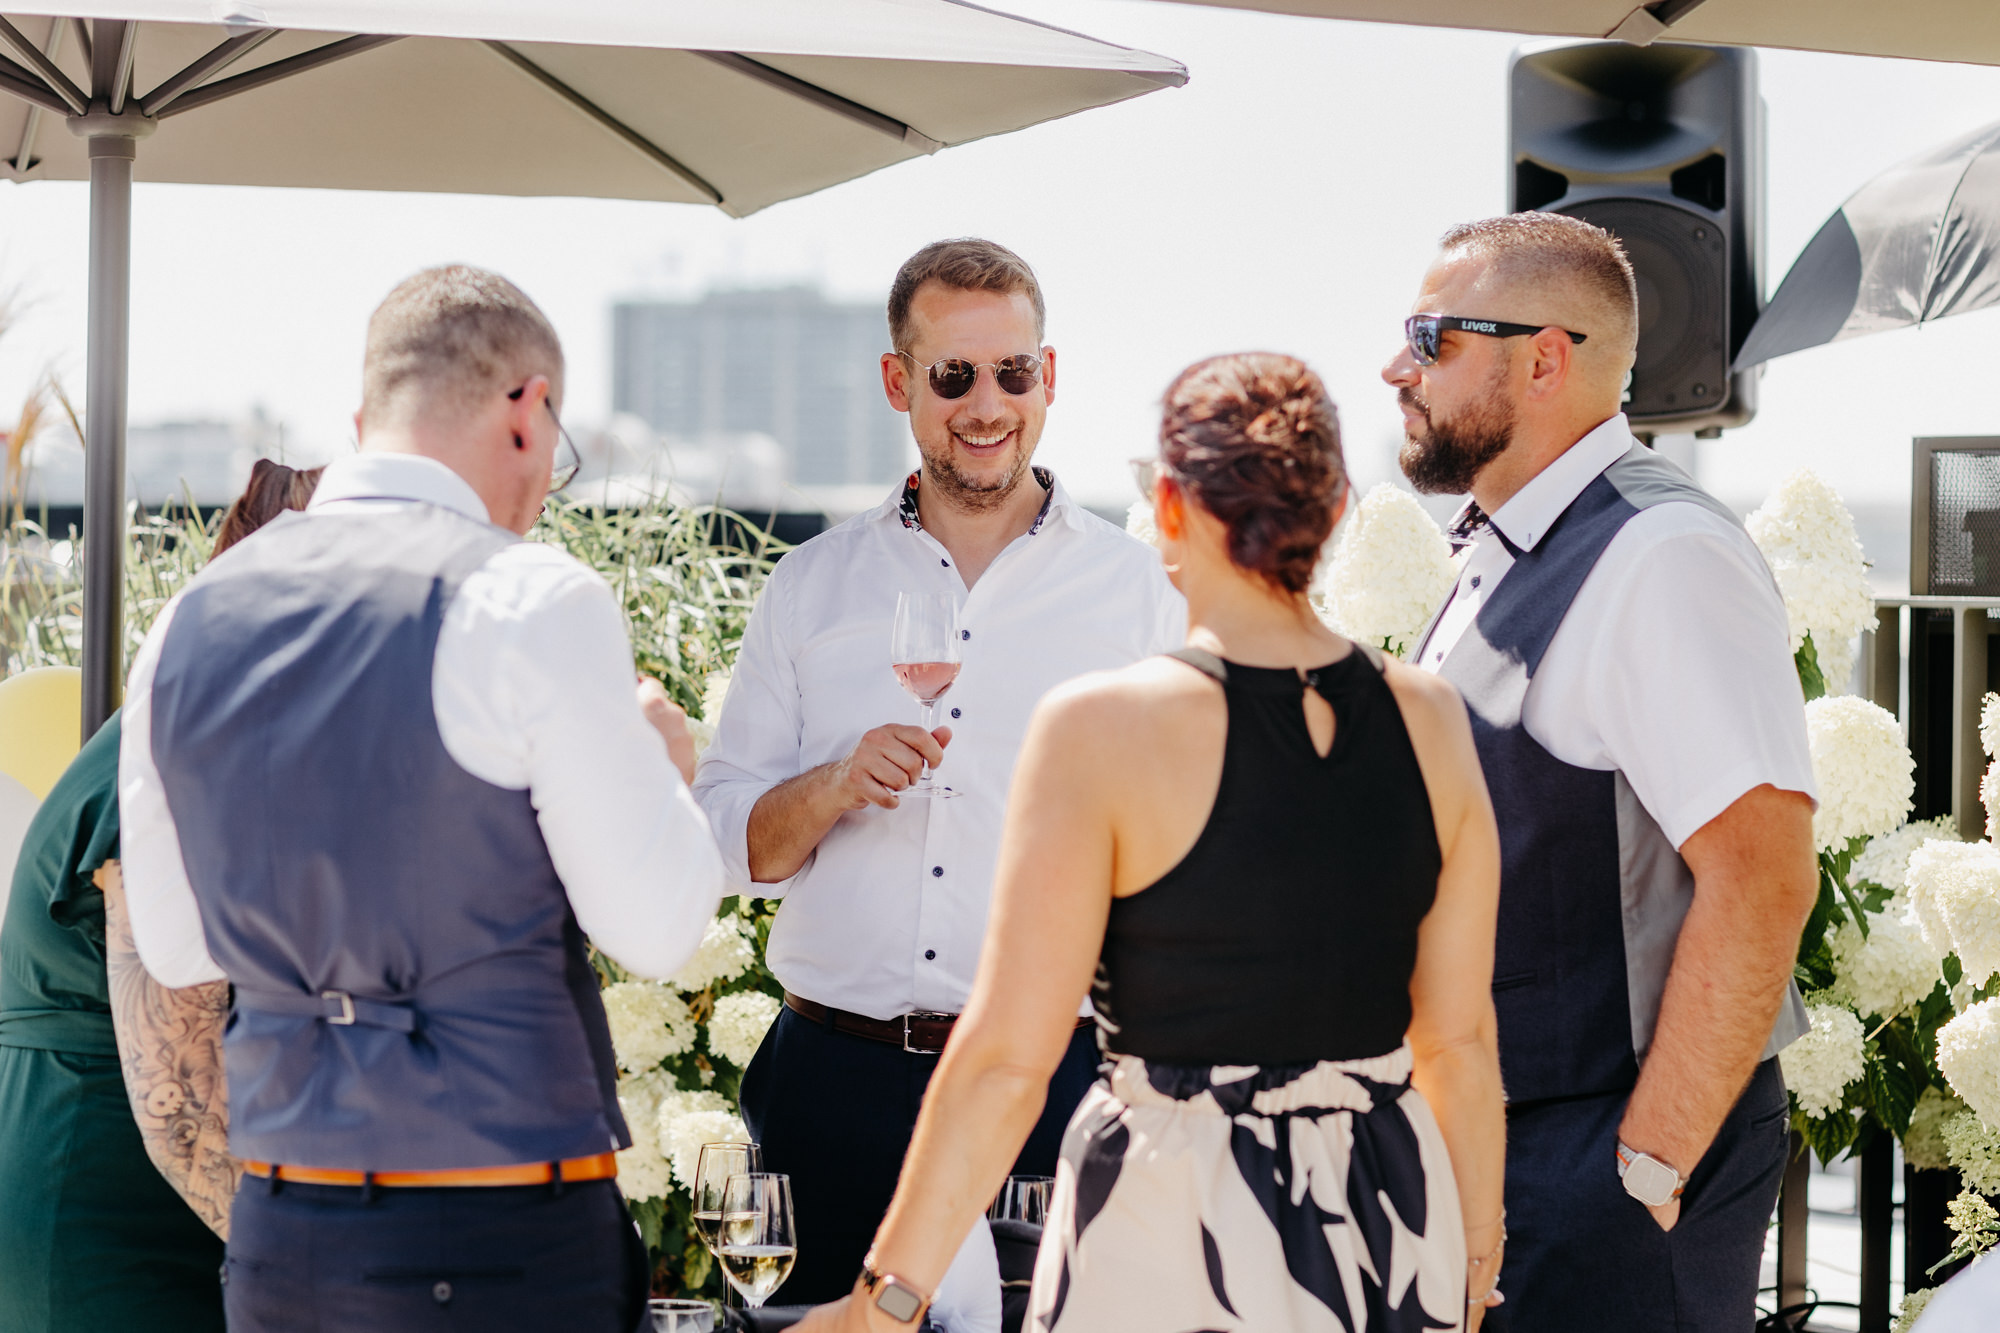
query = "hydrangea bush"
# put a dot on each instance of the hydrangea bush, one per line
(1391, 570)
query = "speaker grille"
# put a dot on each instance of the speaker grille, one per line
(1682, 266)
(1965, 522)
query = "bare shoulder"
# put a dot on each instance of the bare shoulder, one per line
(1426, 700)
(1109, 703)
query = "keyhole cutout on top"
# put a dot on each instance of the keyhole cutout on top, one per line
(1319, 718)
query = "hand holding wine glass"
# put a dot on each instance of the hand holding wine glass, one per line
(759, 1244)
(923, 652)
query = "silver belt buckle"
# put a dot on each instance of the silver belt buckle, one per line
(346, 1018)
(921, 1050)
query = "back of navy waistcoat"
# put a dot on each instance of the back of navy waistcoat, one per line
(1592, 893)
(412, 989)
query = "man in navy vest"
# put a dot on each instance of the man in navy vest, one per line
(1624, 654)
(382, 770)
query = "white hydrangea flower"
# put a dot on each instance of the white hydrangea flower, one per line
(1989, 796)
(1889, 969)
(1924, 1146)
(1886, 858)
(713, 691)
(1819, 1066)
(1973, 1148)
(1808, 539)
(1391, 569)
(1912, 1309)
(1139, 522)
(727, 950)
(739, 1023)
(702, 733)
(689, 1118)
(1954, 894)
(643, 1173)
(1863, 770)
(1989, 725)
(1968, 1054)
(648, 1023)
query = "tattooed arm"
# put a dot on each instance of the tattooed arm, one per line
(170, 1046)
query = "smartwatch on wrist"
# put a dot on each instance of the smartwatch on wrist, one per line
(1647, 1178)
(893, 1296)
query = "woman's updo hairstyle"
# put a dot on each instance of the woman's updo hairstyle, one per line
(1254, 438)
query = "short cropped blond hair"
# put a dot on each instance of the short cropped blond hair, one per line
(1535, 249)
(448, 338)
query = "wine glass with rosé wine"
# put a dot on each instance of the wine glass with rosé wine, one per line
(923, 652)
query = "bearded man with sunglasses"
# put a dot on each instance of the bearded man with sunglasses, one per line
(382, 769)
(807, 782)
(1625, 657)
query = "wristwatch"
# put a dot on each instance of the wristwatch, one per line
(1647, 1178)
(891, 1295)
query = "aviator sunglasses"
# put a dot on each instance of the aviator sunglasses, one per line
(563, 467)
(953, 377)
(1426, 333)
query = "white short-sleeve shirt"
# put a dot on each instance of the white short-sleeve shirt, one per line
(1674, 664)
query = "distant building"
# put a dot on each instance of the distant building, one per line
(207, 461)
(786, 363)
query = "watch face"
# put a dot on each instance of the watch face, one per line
(898, 1302)
(1651, 1183)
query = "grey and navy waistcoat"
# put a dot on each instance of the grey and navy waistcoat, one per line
(412, 989)
(1592, 893)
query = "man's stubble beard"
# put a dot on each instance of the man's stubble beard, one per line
(967, 493)
(1450, 457)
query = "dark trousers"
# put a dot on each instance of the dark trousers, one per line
(1583, 1256)
(835, 1112)
(330, 1259)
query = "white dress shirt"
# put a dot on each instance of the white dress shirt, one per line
(532, 685)
(1674, 665)
(888, 914)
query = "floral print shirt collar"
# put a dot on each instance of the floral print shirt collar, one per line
(906, 507)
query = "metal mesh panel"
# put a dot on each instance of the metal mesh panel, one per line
(1965, 522)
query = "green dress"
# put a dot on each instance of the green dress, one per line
(91, 1236)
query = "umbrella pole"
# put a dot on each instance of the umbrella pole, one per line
(111, 157)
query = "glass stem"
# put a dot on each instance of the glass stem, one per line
(930, 710)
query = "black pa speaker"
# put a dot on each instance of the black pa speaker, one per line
(1663, 146)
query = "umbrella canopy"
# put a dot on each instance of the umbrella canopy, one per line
(1960, 30)
(736, 105)
(1919, 242)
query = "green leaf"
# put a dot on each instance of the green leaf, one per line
(1954, 971)
(1829, 1136)
(1892, 1094)
(1806, 659)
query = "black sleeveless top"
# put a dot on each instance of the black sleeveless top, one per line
(1288, 933)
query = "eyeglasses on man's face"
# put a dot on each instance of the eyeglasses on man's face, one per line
(1426, 333)
(953, 377)
(562, 470)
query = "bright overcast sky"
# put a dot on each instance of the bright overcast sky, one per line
(1288, 198)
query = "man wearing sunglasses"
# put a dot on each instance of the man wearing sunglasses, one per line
(1625, 657)
(382, 770)
(886, 895)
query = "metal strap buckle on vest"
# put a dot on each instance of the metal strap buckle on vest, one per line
(922, 1050)
(345, 1018)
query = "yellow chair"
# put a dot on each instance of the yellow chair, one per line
(41, 721)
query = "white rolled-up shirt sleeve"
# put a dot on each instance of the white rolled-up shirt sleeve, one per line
(537, 673)
(166, 921)
(759, 739)
(1689, 686)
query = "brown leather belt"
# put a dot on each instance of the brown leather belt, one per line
(603, 1166)
(919, 1033)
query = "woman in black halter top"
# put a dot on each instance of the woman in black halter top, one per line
(1274, 853)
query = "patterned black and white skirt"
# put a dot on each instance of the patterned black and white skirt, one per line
(1300, 1199)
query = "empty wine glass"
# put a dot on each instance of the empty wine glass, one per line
(718, 1162)
(1022, 1199)
(923, 652)
(759, 1244)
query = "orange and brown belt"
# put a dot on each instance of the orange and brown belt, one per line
(919, 1033)
(570, 1170)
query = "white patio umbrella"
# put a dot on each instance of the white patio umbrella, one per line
(1959, 30)
(737, 105)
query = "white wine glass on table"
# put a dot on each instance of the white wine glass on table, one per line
(759, 1244)
(923, 652)
(717, 1163)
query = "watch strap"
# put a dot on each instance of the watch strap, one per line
(1627, 1156)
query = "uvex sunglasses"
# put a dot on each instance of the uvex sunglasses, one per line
(953, 377)
(1426, 333)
